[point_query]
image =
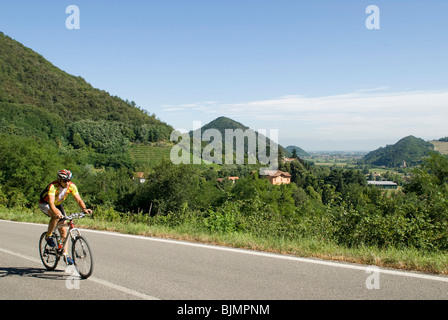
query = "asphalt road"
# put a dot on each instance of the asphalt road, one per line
(134, 267)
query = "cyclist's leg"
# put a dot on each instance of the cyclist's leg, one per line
(45, 208)
(63, 229)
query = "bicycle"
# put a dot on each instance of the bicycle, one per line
(81, 252)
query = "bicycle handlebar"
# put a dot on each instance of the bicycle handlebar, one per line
(79, 215)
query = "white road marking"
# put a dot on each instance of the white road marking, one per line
(20, 255)
(93, 279)
(122, 289)
(280, 256)
(272, 255)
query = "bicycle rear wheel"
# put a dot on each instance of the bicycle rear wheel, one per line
(82, 257)
(48, 255)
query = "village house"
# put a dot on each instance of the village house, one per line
(233, 179)
(276, 177)
(140, 176)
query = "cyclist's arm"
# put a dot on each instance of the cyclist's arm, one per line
(56, 211)
(81, 203)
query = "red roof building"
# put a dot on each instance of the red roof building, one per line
(277, 177)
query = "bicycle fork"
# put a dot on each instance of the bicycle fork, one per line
(75, 233)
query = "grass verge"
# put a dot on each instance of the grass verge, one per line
(410, 259)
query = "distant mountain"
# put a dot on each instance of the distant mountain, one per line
(410, 149)
(223, 123)
(300, 152)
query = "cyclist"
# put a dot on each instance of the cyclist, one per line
(50, 203)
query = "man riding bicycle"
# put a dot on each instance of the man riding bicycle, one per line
(50, 203)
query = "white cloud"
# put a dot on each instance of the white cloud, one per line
(364, 114)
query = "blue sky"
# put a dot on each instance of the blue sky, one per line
(310, 69)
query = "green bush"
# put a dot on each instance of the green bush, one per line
(26, 167)
(223, 219)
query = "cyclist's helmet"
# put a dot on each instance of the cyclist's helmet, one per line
(65, 175)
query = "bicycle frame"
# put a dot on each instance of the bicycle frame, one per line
(72, 231)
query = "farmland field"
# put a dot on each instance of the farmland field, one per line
(154, 153)
(151, 154)
(440, 146)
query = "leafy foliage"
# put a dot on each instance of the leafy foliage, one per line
(31, 121)
(102, 136)
(24, 164)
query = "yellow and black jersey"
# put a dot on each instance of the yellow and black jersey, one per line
(60, 193)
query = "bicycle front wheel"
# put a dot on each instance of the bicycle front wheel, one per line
(82, 257)
(48, 255)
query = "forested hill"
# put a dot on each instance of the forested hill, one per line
(30, 85)
(299, 151)
(409, 149)
(222, 123)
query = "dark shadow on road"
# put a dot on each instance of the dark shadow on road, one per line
(32, 272)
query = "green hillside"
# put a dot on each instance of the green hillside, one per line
(37, 96)
(51, 120)
(27, 78)
(410, 149)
